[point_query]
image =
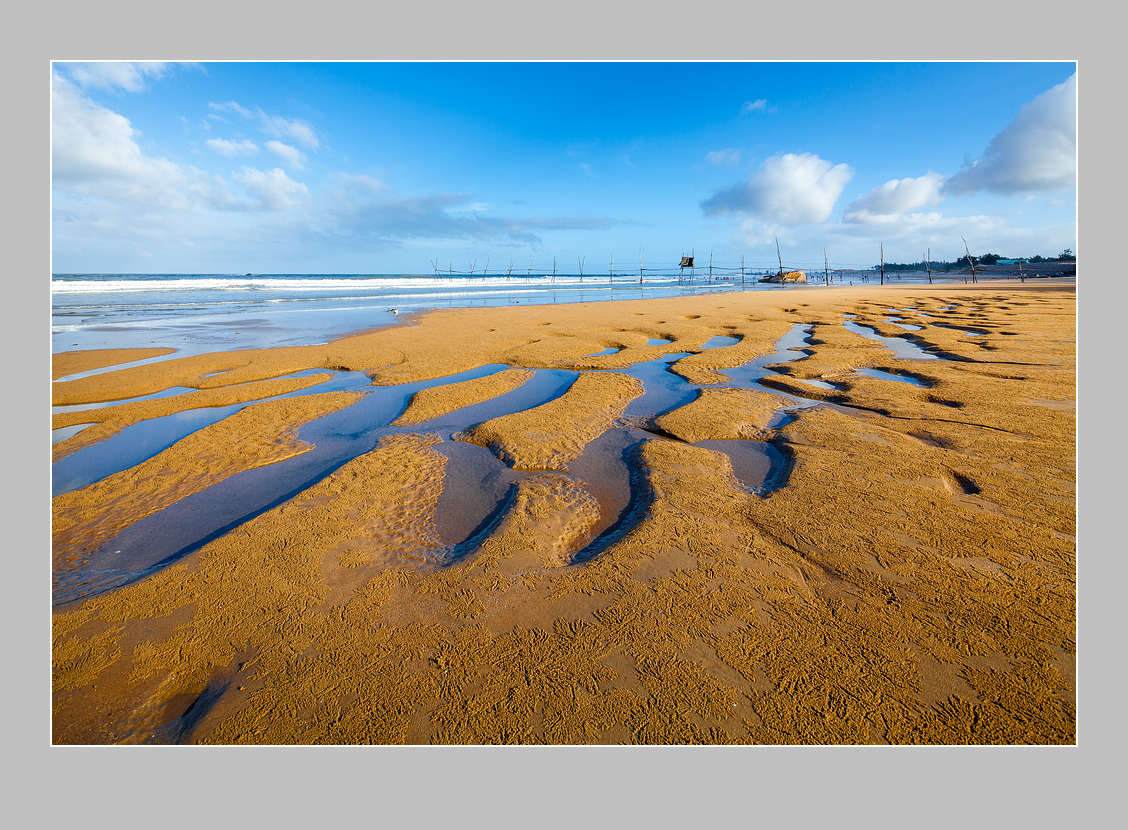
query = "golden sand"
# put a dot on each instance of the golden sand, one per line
(551, 435)
(914, 581)
(722, 414)
(439, 400)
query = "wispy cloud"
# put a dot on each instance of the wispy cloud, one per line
(291, 155)
(441, 216)
(758, 105)
(272, 189)
(116, 76)
(230, 148)
(728, 157)
(276, 126)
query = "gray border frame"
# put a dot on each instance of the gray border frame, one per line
(700, 787)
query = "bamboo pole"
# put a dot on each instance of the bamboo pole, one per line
(883, 263)
(779, 256)
(970, 261)
(928, 264)
(826, 266)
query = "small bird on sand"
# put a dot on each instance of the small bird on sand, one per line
(394, 310)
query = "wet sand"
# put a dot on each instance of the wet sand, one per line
(910, 579)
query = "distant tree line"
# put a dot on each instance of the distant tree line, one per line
(987, 259)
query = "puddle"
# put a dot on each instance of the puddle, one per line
(880, 375)
(902, 349)
(664, 389)
(657, 341)
(759, 466)
(476, 491)
(607, 351)
(819, 384)
(164, 393)
(63, 433)
(906, 326)
(604, 469)
(720, 341)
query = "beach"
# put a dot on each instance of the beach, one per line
(811, 515)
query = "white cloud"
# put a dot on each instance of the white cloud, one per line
(272, 189)
(728, 157)
(293, 129)
(291, 155)
(759, 105)
(230, 106)
(229, 148)
(790, 189)
(95, 154)
(115, 75)
(1036, 151)
(896, 197)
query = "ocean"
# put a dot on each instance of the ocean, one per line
(209, 312)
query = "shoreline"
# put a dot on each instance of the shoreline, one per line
(875, 570)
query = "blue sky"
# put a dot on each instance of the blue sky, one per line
(382, 167)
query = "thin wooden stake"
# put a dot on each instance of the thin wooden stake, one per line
(780, 257)
(826, 266)
(970, 261)
(928, 264)
(883, 263)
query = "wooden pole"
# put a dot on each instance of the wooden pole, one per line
(826, 266)
(581, 269)
(1020, 275)
(928, 264)
(883, 263)
(611, 270)
(742, 269)
(640, 266)
(970, 261)
(487, 268)
(780, 257)
(554, 270)
(710, 266)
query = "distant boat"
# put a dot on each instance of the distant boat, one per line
(248, 274)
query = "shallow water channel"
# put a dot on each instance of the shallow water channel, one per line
(478, 487)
